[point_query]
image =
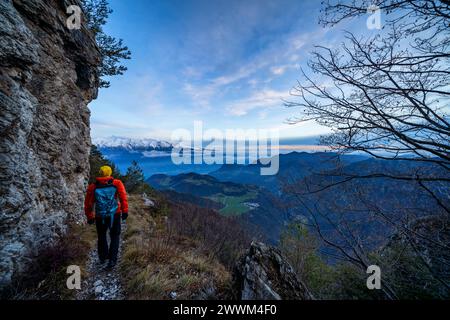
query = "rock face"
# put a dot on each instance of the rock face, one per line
(264, 274)
(48, 75)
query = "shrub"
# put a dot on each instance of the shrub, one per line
(157, 259)
(46, 277)
(220, 237)
(301, 249)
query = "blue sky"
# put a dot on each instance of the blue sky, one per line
(227, 63)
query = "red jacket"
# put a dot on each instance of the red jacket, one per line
(121, 196)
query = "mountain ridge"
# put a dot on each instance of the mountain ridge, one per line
(130, 144)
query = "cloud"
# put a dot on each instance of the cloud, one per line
(262, 114)
(252, 71)
(200, 95)
(281, 69)
(258, 100)
(305, 147)
(192, 72)
(110, 124)
(231, 58)
(131, 129)
(253, 74)
(278, 70)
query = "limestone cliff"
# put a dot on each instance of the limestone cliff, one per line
(48, 75)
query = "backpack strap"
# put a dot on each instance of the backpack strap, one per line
(109, 183)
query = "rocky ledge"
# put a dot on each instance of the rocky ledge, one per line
(264, 274)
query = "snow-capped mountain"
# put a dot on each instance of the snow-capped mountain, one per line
(132, 144)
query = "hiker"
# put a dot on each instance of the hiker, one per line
(111, 206)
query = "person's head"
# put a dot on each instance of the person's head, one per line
(105, 171)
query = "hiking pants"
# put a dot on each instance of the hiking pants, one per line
(105, 251)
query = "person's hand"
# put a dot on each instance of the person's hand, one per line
(91, 221)
(124, 216)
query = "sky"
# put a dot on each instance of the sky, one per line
(227, 63)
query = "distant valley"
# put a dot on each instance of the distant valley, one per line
(270, 202)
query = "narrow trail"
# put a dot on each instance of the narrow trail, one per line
(102, 283)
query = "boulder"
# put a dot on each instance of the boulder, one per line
(263, 273)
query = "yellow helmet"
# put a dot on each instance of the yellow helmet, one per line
(105, 171)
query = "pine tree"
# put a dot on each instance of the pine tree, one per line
(134, 177)
(112, 49)
(96, 160)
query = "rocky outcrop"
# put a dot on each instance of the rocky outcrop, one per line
(264, 274)
(47, 77)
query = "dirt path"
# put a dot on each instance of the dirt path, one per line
(102, 283)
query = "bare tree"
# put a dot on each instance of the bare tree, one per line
(386, 96)
(361, 222)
